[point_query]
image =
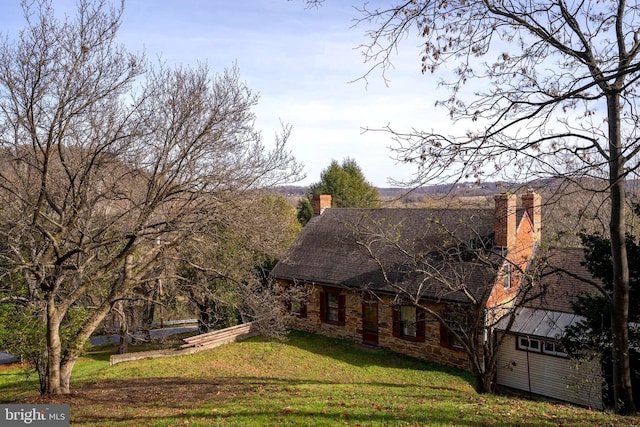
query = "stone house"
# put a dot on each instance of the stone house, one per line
(392, 277)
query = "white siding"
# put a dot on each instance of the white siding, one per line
(555, 377)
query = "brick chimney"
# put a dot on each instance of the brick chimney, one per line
(505, 233)
(320, 203)
(532, 202)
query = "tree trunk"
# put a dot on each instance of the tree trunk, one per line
(483, 365)
(123, 345)
(65, 374)
(204, 314)
(483, 378)
(54, 348)
(148, 312)
(59, 368)
(620, 311)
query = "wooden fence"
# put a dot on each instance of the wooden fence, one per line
(194, 344)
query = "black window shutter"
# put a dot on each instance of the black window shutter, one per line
(395, 313)
(420, 325)
(444, 335)
(323, 306)
(303, 309)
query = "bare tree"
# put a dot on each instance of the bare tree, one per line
(224, 270)
(106, 162)
(544, 89)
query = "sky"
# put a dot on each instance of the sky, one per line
(303, 62)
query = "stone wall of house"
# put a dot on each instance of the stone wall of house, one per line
(430, 349)
(352, 330)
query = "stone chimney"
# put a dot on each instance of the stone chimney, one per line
(505, 233)
(532, 202)
(320, 203)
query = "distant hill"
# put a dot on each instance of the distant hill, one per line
(568, 208)
(459, 189)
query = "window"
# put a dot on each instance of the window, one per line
(298, 307)
(529, 344)
(332, 307)
(535, 345)
(454, 342)
(554, 348)
(295, 300)
(408, 323)
(456, 325)
(507, 276)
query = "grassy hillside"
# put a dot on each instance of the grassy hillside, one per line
(308, 381)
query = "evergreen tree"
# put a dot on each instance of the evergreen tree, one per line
(593, 335)
(347, 186)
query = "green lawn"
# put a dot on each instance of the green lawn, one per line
(307, 381)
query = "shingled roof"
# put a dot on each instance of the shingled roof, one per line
(351, 248)
(560, 278)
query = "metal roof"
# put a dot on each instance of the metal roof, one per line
(541, 323)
